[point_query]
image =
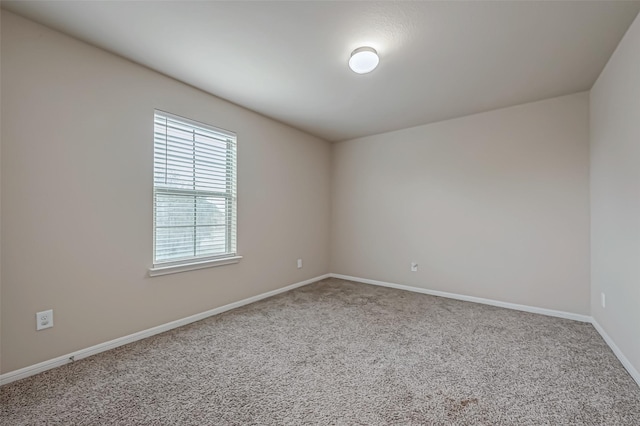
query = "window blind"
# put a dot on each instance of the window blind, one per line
(194, 191)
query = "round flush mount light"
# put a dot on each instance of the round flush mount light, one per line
(363, 60)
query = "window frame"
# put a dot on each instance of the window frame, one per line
(163, 267)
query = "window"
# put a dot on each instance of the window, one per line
(194, 195)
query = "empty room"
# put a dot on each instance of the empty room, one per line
(320, 212)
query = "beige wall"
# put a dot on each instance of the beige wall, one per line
(76, 214)
(493, 205)
(615, 196)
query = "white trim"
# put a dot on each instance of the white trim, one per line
(616, 350)
(101, 347)
(525, 308)
(155, 271)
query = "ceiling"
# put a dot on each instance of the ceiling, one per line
(288, 60)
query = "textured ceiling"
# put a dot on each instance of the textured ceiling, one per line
(288, 60)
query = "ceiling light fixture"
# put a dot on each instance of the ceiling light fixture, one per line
(363, 60)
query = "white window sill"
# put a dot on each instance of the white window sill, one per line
(174, 269)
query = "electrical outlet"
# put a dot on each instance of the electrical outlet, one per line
(603, 300)
(44, 319)
(299, 263)
(414, 267)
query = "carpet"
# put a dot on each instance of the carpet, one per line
(342, 353)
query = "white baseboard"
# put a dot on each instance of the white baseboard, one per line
(616, 350)
(525, 308)
(84, 353)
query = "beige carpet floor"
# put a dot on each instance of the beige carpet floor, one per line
(337, 353)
